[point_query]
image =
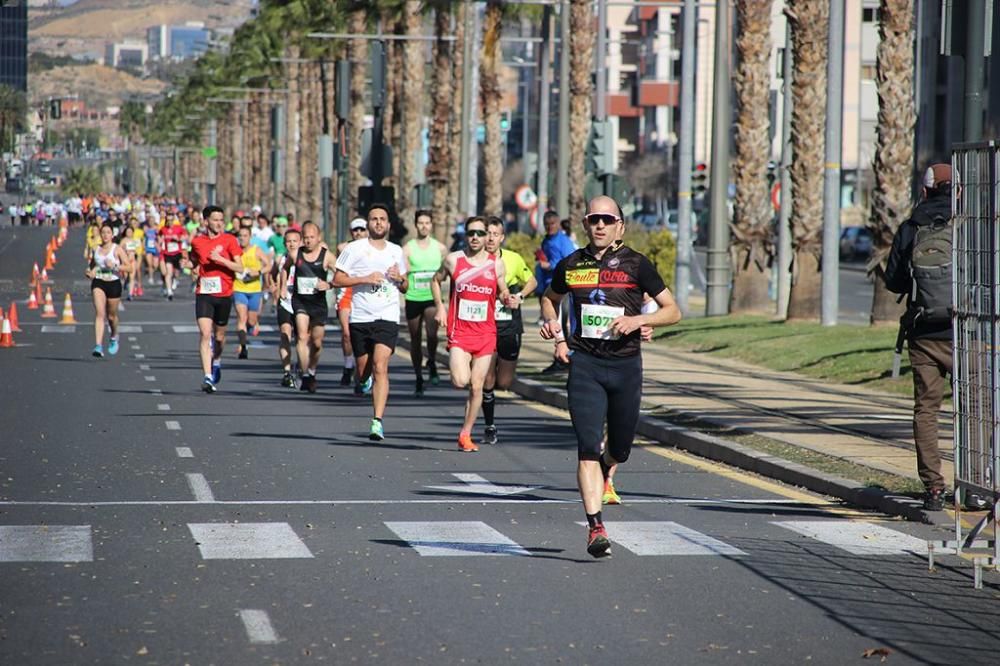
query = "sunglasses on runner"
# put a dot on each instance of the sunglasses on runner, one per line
(476, 232)
(602, 218)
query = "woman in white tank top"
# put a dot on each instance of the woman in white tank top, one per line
(108, 263)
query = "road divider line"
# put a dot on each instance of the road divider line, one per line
(258, 627)
(156, 391)
(150, 378)
(199, 488)
(136, 347)
(184, 452)
(140, 357)
(163, 407)
(173, 425)
(144, 366)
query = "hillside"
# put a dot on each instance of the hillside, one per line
(105, 20)
(98, 85)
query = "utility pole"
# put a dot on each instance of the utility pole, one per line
(212, 164)
(324, 154)
(784, 286)
(717, 288)
(682, 271)
(545, 93)
(830, 277)
(562, 165)
(974, 56)
(466, 174)
(601, 93)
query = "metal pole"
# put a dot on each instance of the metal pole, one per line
(601, 78)
(830, 277)
(974, 71)
(465, 156)
(562, 168)
(212, 165)
(682, 271)
(785, 213)
(545, 60)
(717, 288)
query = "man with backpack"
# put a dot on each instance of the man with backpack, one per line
(919, 266)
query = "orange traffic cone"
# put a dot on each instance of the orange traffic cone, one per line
(48, 261)
(6, 337)
(32, 301)
(44, 277)
(49, 309)
(53, 255)
(67, 315)
(12, 313)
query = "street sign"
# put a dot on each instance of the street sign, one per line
(210, 152)
(525, 197)
(533, 218)
(776, 197)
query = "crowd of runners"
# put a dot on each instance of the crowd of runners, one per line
(616, 298)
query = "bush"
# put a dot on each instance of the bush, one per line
(525, 245)
(659, 246)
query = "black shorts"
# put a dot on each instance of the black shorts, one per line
(317, 310)
(216, 308)
(416, 309)
(602, 389)
(173, 259)
(364, 336)
(509, 346)
(111, 288)
(285, 317)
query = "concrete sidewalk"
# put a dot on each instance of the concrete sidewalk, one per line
(857, 425)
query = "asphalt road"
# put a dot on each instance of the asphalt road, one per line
(142, 521)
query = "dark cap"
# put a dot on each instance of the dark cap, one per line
(937, 175)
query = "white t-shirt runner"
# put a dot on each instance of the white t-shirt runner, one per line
(372, 302)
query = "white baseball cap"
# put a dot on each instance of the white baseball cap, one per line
(359, 223)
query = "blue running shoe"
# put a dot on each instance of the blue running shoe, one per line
(98, 351)
(376, 434)
(113, 346)
(207, 385)
(216, 374)
(366, 388)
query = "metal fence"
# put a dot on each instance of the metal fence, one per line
(976, 334)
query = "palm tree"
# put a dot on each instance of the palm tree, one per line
(358, 54)
(81, 179)
(809, 42)
(581, 89)
(412, 119)
(893, 163)
(489, 99)
(13, 111)
(454, 207)
(752, 248)
(440, 157)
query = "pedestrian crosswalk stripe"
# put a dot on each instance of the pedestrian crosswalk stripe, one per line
(58, 329)
(665, 538)
(455, 538)
(258, 627)
(248, 541)
(126, 328)
(187, 328)
(857, 537)
(46, 543)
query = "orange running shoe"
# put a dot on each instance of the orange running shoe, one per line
(465, 443)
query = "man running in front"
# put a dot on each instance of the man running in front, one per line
(607, 280)
(217, 257)
(423, 256)
(374, 269)
(477, 281)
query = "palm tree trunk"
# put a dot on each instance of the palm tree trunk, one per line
(358, 54)
(581, 89)
(293, 130)
(413, 113)
(752, 247)
(809, 40)
(489, 99)
(455, 140)
(439, 158)
(393, 91)
(893, 163)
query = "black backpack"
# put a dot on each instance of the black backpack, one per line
(930, 268)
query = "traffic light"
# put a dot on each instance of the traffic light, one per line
(55, 109)
(699, 179)
(599, 148)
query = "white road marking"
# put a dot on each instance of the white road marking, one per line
(480, 486)
(58, 329)
(131, 338)
(258, 627)
(144, 366)
(150, 378)
(136, 347)
(156, 391)
(129, 328)
(163, 407)
(46, 543)
(184, 452)
(173, 425)
(248, 541)
(455, 538)
(666, 538)
(186, 328)
(200, 488)
(858, 537)
(140, 357)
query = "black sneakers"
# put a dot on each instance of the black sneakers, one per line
(346, 377)
(490, 436)
(934, 500)
(556, 368)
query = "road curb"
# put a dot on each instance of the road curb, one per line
(737, 455)
(743, 457)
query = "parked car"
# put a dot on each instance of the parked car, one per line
(855, 244)
(13, 186)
